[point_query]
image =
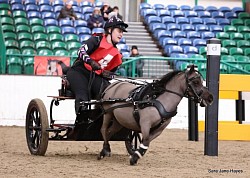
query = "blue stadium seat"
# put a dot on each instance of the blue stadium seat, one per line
(224, 9)
(85, 4)
(162, 33)
(182, 20)
(169, 42)
(177, 13)
(193, 35)
(74, 3)
(216, 28)
(145, 5)
(97, 31)
(178, 34)
(125, 54)
(123, 40)
(153, 19)
(223, 22)
(33, 14)
(57, 8)
(185, 8)
(207, 35)
(50, 22)
(68, 30)
(195, 21)
(230, 15)
(204, 14)
(209, 21)
(17, 7)
(78, 9)
(201, 28)
(173, 27)
(158, 6)
(83, 30)
(187, 27)
(199, 43)
(84, 37)
(100, 4)
(44, 2)
(182, 42)
(167, 20)
(237, 10)
(48, 15)
(172, 7)
(190, 14)
(80, 16)
(58, 3)
(198, 8)
(27, 2)
(149, 12)
(65, 22)
(46, 8)
(174, 49)
(80, 23)
(211, 9)
(179, 63)
(15, 2)
(87, 10)
(163, 12)
(86, 16)
(218, 15)
(32, 7)
(123, 47)
(190, 50)
(157, 26)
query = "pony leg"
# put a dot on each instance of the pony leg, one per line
(148, 137)
(107, 134)
(106, 147)
(143, 147)
(158, 131)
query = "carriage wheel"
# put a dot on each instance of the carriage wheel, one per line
(36, 124)
(133, 142)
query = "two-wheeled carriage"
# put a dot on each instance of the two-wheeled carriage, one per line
(40, 128)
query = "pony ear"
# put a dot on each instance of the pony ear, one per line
(192, 69)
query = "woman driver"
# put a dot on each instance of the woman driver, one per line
(99, 55)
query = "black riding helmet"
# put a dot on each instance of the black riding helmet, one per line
(115, 22)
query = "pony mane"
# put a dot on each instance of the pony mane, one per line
(154, 89)
(167, 77)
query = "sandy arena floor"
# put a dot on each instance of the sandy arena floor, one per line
(170, 155)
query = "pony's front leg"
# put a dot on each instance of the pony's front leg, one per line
(142, 149)
(106, 151)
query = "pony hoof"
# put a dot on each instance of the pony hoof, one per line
(133, 161)
(103, 153)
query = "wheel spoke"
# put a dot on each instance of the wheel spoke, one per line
(38, 139)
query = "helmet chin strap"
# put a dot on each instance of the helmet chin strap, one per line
(114, 44)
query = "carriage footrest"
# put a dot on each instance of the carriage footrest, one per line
(56, 130)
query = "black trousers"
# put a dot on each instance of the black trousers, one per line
(85, 84)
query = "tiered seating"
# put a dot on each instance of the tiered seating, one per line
(190, 28)
(34, 24)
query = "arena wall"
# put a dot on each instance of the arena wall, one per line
(18, 90)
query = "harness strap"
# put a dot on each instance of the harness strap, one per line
(117, 106)
(162, 111)
(136, 113)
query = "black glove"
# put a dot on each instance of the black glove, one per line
(94, 65)
(108, 75)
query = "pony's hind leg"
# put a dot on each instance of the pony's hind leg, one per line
(107, 133)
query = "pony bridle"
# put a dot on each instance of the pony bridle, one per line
(190, 89)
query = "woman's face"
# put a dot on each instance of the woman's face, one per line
(117, 35)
